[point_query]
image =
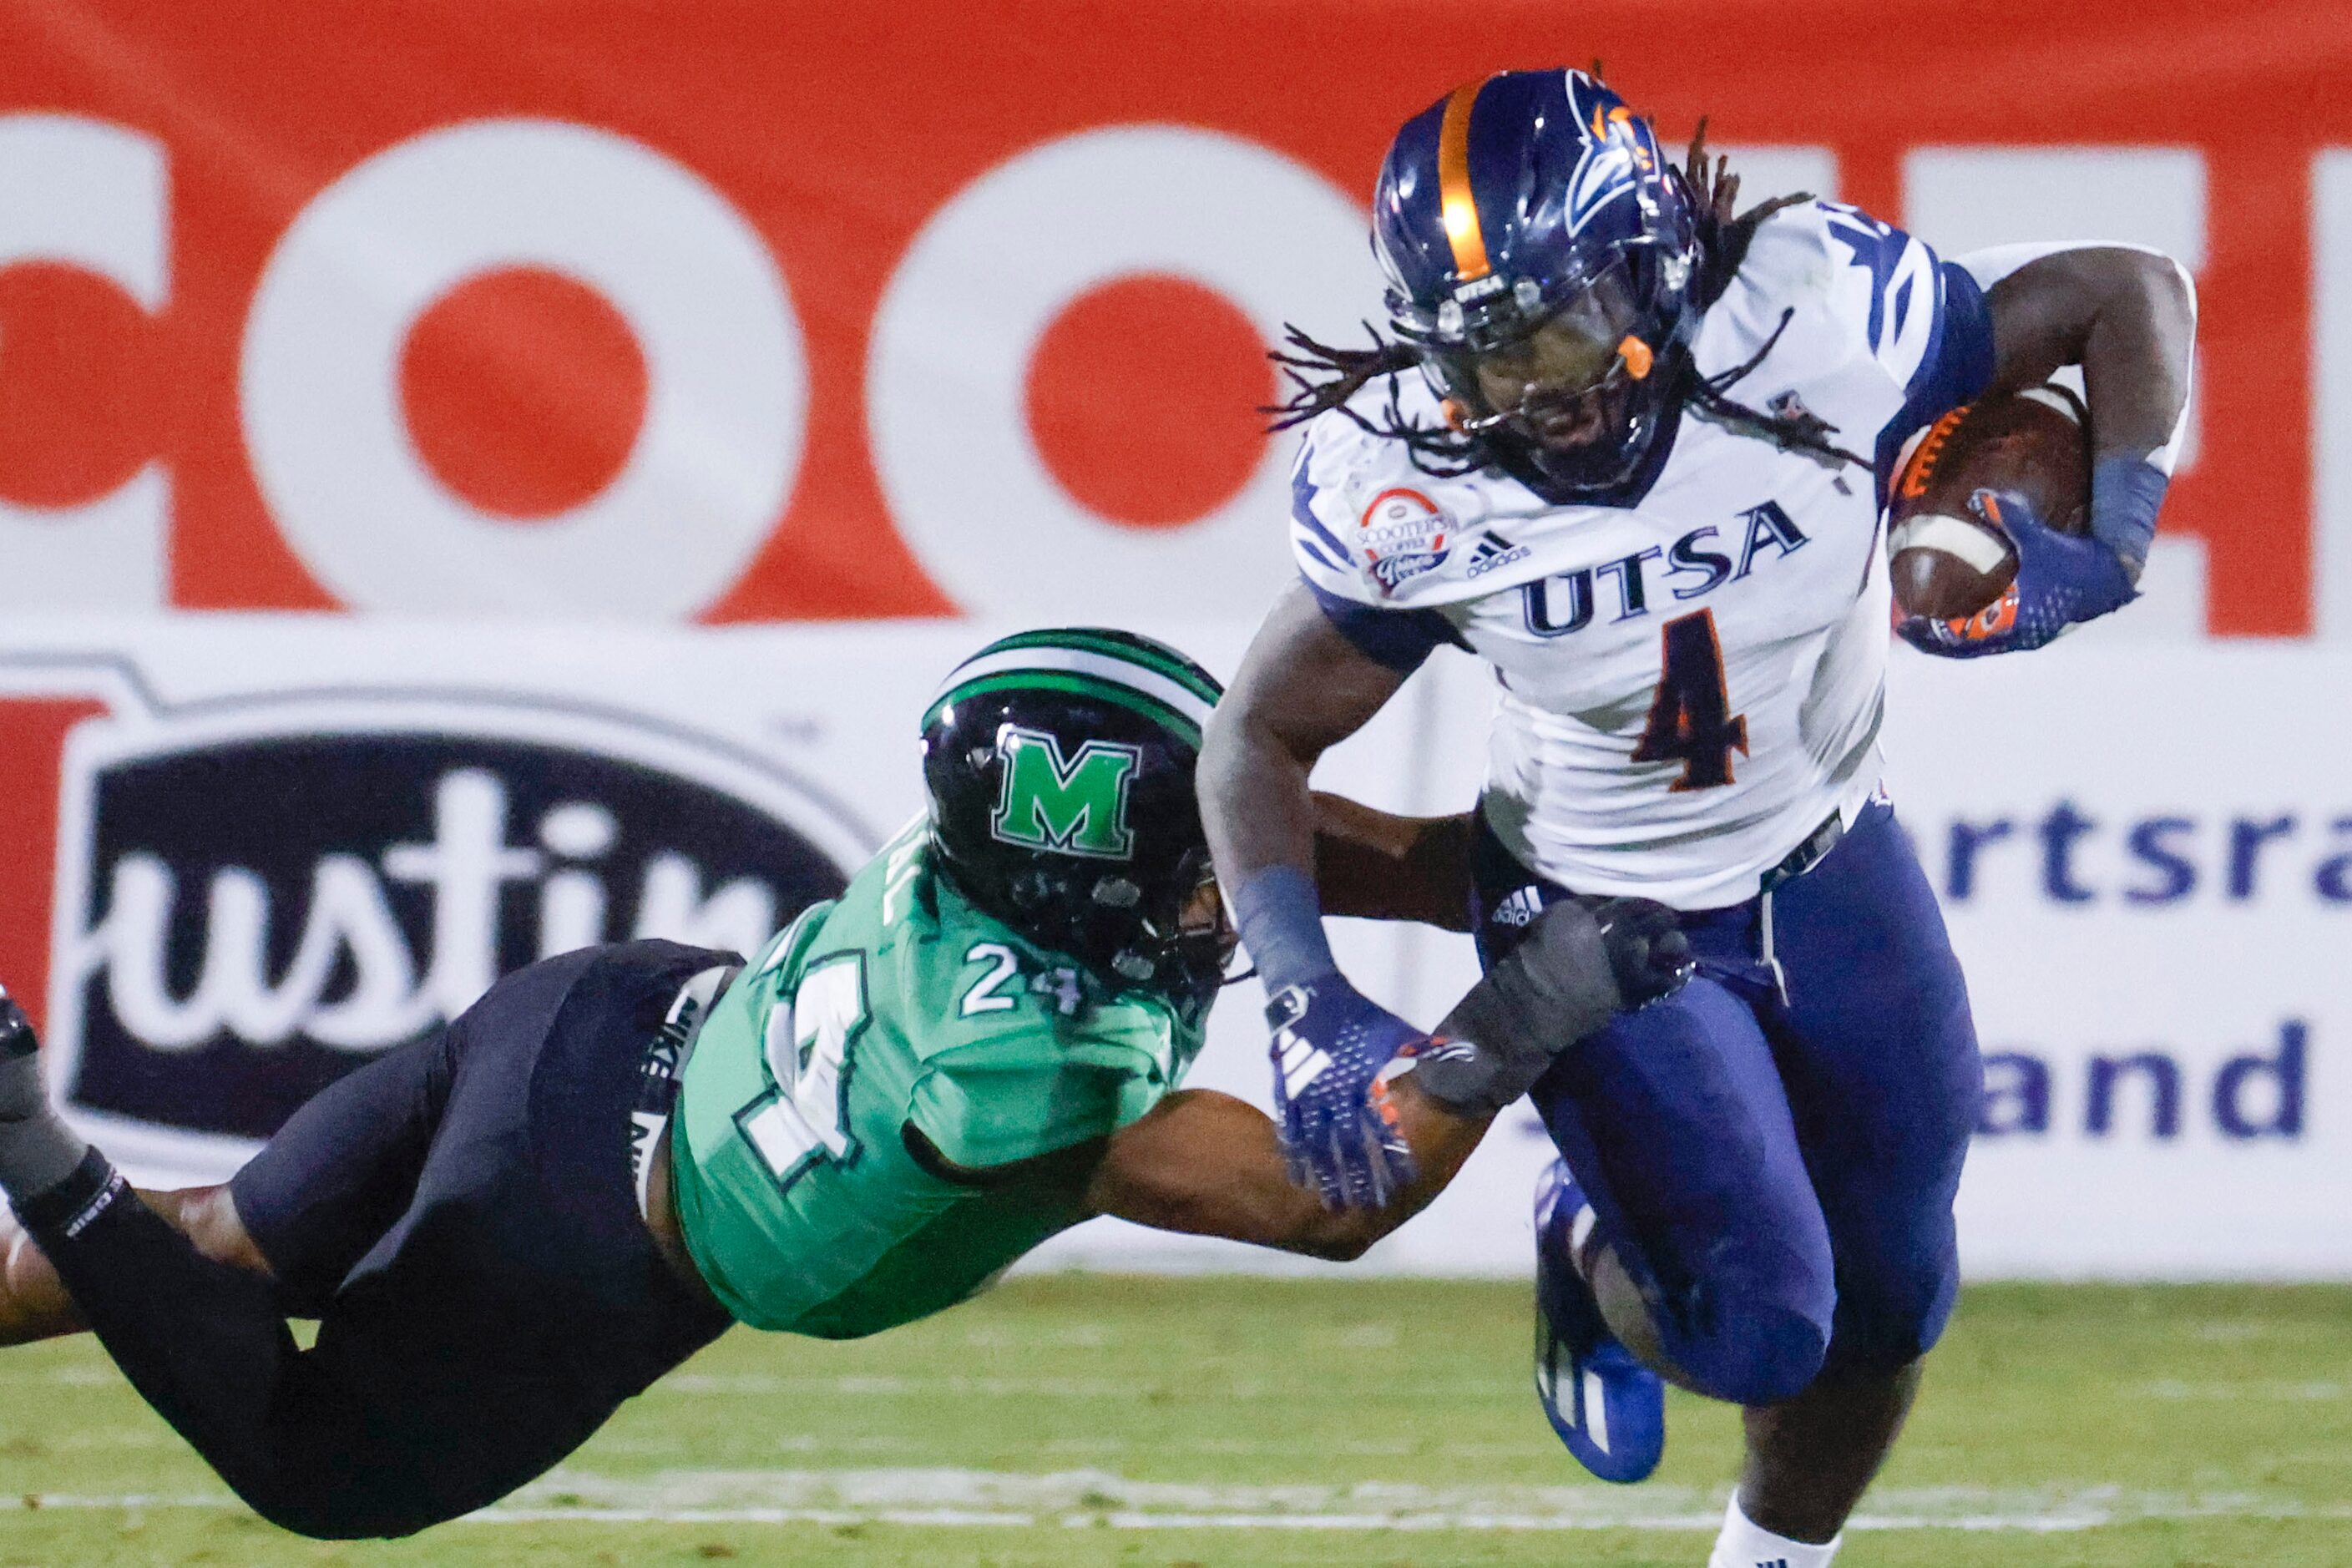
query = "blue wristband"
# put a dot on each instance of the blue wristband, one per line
(1281, 923)
(2124, 495)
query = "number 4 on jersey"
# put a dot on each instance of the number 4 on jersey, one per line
(800, 1121)
(1691, 720)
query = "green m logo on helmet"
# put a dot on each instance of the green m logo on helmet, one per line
(1077, 806)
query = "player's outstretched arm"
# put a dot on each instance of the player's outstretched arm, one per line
(1209, 1164)
(1303, 687)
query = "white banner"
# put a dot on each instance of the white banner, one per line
(2145, 857)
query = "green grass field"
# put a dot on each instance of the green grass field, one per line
(1071, 1419)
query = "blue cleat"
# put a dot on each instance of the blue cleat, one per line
(1609, 1409)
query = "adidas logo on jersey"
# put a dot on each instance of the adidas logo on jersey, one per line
(1494, 552)
(1520, 908)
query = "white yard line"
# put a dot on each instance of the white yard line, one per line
(2234, 1393)
(867, 1385)
(961, 1498)
(128, 1501)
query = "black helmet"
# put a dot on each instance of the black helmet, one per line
(1059, 765)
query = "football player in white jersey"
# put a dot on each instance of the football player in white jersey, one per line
(1630, 449)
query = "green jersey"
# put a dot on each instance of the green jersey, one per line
(899, 1005)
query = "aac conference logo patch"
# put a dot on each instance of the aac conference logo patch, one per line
(252, 898)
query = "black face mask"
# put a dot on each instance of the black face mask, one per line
(1616, 470)
(1509, 360)
(1574, 399)
(1184, 957)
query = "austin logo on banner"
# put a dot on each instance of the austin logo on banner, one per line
(252, 898)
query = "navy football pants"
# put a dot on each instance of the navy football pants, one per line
(1777, 1177)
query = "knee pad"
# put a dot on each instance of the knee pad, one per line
(310, 1511)
(1878, 1330)
(1758, 1353)
(318, 1499)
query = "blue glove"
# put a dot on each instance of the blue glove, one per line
(2062, 580)
(1331, 1050)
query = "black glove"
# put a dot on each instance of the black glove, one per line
(1582, 961)
(1648, 952)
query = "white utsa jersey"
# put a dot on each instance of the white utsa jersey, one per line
(1691, 684)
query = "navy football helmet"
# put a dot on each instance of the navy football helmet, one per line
(1543, 255)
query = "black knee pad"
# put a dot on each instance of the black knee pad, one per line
(323, 1509)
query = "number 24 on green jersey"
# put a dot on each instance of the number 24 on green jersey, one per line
(803, 1119)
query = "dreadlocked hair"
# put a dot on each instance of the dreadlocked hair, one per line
(1723, 242)
(1327, 378)
(1324, 377)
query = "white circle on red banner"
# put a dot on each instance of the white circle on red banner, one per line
(708, 476)
(983, 281)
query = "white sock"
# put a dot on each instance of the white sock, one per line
(1745, 1544)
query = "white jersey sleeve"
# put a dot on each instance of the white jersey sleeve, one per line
(1320, 530)
(1886, 285)
(1370, 533)
(1861, 294)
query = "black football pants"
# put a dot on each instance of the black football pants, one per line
(460, 1217)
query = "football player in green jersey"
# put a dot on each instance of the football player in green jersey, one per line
(511, 1228)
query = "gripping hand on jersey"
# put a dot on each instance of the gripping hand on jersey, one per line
(1582, 961)
(1335, 1053)
(2062, 580)
(1331, 1050)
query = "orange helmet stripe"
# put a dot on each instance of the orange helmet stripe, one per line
(1460, 211)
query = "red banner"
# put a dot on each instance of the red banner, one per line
(743, 311)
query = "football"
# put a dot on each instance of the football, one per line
(1948, 558)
